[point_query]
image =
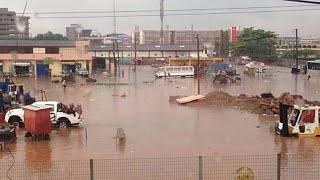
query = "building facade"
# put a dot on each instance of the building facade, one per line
(290, 42)
(206, 38)
(286, 41)
(145, 53)
(43, 58)
(12, 25)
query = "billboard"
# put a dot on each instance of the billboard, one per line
(234, 34)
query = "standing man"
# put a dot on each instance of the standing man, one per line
(64, 84)
(1, 103)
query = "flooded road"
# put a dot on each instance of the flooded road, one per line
(154, 127)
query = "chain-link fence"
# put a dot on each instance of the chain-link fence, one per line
(264, 167)
(300, 166)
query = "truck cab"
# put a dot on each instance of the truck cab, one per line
(302, 121)
(58, 117)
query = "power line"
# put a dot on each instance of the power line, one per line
(25, 7)
(302, 1)
(178, 14)
(172, 10)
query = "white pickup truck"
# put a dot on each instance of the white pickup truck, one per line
(59, 119)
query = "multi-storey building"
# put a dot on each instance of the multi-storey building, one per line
(73, 32)
(12, 25)
(290, 42)
(76, 32)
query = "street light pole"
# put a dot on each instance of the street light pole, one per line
(135, 52)
(198, 63)
(297, 51)
(114, 58)
(118, 61)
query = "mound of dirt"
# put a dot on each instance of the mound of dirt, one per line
(218, 98)
(264, 104)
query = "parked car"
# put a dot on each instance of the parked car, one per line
(59, 119)
(83, 72)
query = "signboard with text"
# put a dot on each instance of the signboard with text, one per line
(234, 34)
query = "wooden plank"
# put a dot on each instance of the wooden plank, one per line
(189, 99)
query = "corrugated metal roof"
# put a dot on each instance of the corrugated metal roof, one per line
(37, 43)
(145, 47)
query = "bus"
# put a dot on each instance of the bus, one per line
(175, 71)
(313, 67)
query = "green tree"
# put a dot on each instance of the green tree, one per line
(50, 36)
(222, 46)
(288, 54)
(257, 44)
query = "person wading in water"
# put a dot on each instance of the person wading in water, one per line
(64, 84)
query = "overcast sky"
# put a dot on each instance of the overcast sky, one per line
(283, 23)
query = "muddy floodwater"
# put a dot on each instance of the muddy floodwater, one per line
(154, 127)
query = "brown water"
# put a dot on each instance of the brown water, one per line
(154, 127)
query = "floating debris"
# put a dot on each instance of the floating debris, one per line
(148, 82)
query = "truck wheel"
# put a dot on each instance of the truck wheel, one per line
(16, 121)
(63, 123)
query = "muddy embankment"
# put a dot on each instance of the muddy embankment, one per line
(266, 103)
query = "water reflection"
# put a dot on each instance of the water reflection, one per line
(121, 146)
(38, 155)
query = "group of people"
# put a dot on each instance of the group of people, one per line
(7, 99)
(71, 109)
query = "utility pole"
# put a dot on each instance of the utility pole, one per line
(114, 58)
(220, 43)
(198, 63)
(114, 18)
(135, 52)
(297, 50)
(161, 18)
(192, 32)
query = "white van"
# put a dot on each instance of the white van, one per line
(171, 71)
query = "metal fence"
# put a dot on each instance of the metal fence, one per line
(273, 167)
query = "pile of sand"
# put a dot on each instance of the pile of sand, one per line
(218, 98)
(266, 103)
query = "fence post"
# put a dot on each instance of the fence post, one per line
(200, 168)
(91, 169)
(278, 166)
